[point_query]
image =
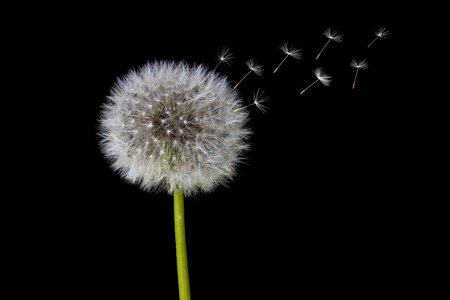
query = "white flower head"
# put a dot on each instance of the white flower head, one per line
(292, 52)
(322, 77)
(333, 35)
(382, 33)
(254, 67)
(225, 56)
(362, 64)
(171, 126)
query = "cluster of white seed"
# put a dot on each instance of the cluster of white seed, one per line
(169, 126)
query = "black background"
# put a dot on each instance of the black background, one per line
(312, 210)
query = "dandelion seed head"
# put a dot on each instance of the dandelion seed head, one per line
(189, 138)
(322, 76)
(293, 52)
(333, 35)
(362, 64)
(254, 67)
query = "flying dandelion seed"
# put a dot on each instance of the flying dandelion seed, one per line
(332, 35)
(294, 53)
(224, 56)
(362, 64)
(258, 100)
(321, 76)
(253, 67)
(381, 33)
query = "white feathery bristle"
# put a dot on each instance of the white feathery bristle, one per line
(322, 76)
(225, 56)
(293, 52)
(382, 33)
(171, 126)
(259, 99)
(333, 34)
(362, 64)
(254, 67)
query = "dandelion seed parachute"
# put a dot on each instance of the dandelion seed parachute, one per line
(171, 126)
(321, 76)
(332, 35)
(381, 33)
(289, 51)
(253, 67)
(224, 56)
(362, 64)
(258, 100)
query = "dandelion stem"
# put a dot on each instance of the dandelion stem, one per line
(237, 84)
(372, 41)
(180, 239)
(276, 69)
(309, 86)
(318, 55)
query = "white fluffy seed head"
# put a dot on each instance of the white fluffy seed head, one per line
(362, 64)
(334, 35)
(382, 33)
(254, 67)
(323, 78)
(293, 52)
(169, 126)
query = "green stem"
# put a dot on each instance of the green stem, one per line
(180, 239)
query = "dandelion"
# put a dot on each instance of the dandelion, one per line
(332, 35)
(253, 67)
(381, 33)
(158, 101)
(294, 53)
(362, 64)
(258, 100)
(224, 56)
(321, 76)
(173, 127)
